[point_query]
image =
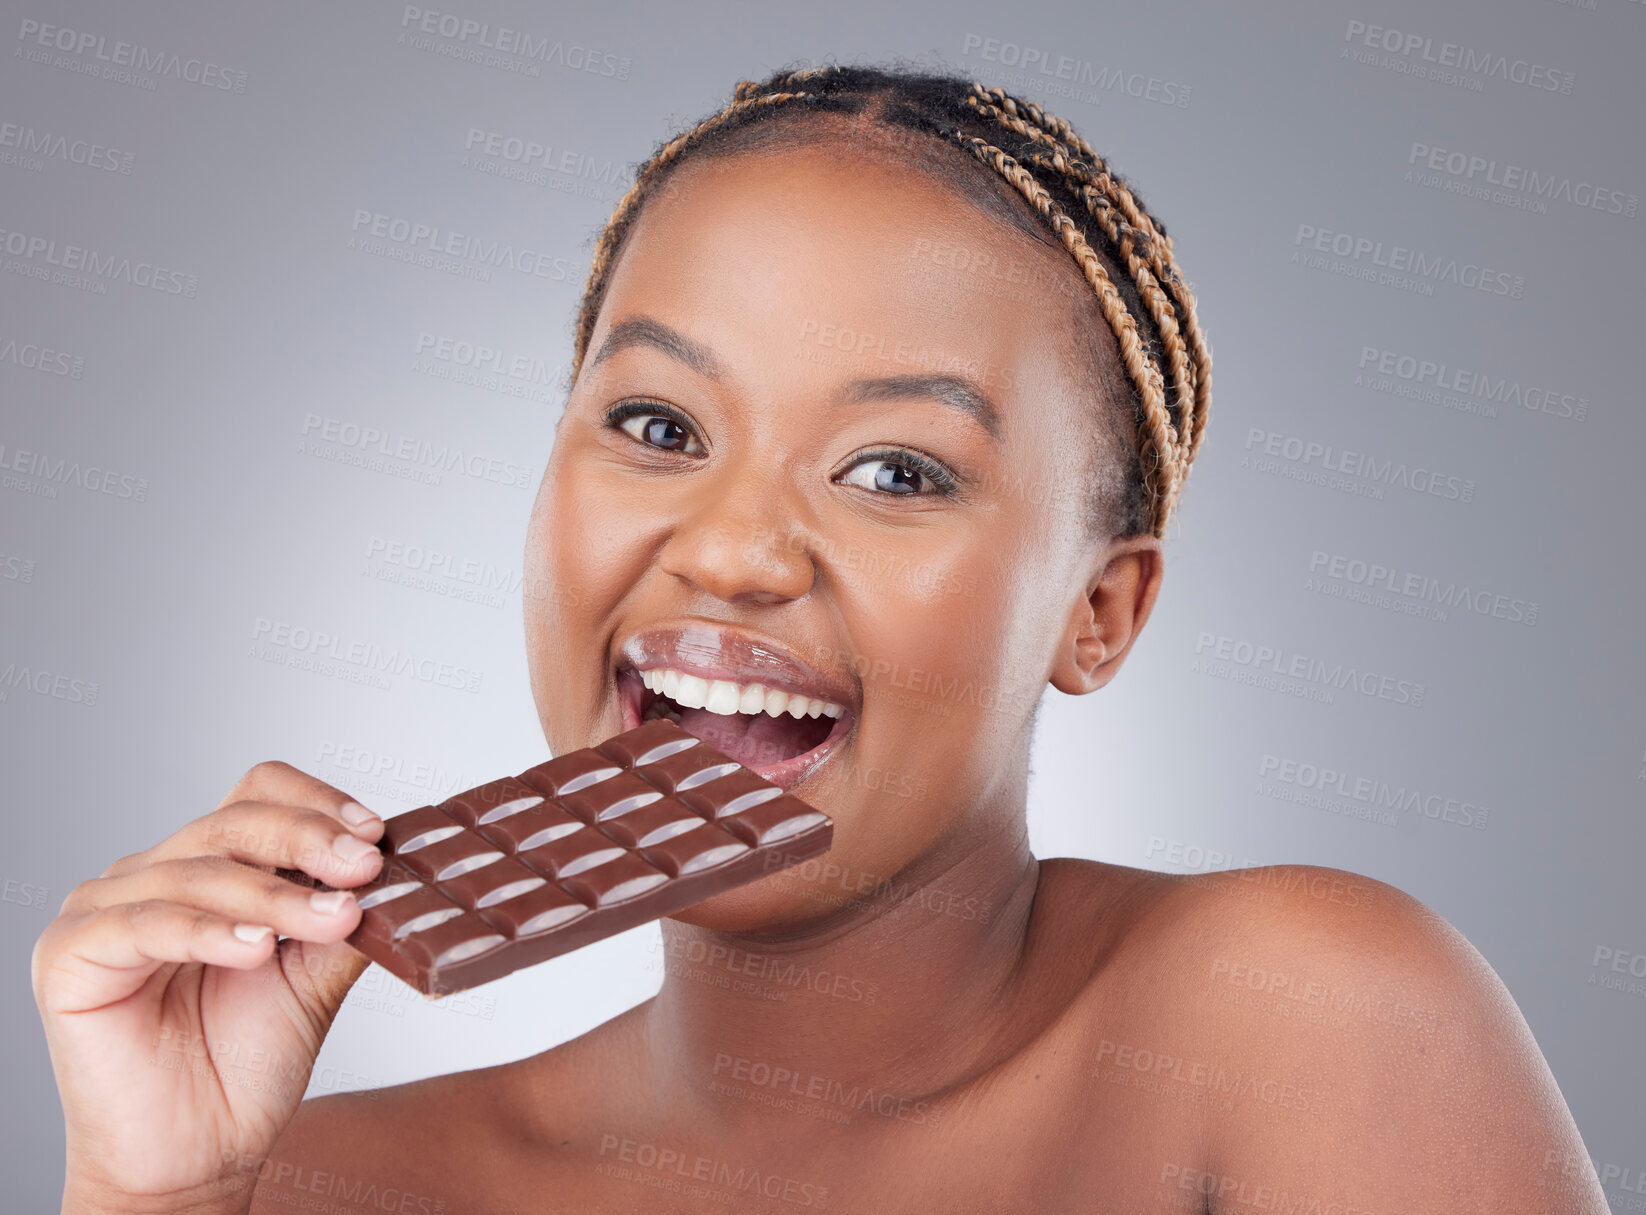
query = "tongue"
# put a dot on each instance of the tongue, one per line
(755, 738)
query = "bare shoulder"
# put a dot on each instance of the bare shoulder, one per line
(1353, 1047)
(390, 1148)
(465, 1142)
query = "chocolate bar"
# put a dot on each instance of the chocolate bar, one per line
(522, 869)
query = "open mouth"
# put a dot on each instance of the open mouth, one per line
(780, 733)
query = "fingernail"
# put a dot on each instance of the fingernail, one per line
(329, 902)
(351, 849)
(252, 933)
(356, 815)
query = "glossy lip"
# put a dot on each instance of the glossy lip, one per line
(714, 651)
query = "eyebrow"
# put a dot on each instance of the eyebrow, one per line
(643, 331)
(955, 391)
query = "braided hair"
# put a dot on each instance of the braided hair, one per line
(1122, 252)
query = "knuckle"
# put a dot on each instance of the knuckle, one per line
(273, 775)
(82, 896)
(139, 914)
(314, 841)
(238, 829)
(262, 889)
(41, 962)
(201, 923)
(275, 895)
(258, 776)
(195, 874)
(125, 864)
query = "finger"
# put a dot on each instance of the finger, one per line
(321, 975)
(101, 958)
(227, 888)
(269, 835)
(276, 781)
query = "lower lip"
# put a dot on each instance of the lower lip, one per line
(784, 773)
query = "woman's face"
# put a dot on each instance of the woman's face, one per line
(830, 438)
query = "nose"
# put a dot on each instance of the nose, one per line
(740, 539)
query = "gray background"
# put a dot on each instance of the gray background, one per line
(169, 605)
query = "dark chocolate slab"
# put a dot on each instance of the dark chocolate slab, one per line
(587, 845)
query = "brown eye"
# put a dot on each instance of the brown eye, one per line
(886, 476)
(900, 472)
(663, 432)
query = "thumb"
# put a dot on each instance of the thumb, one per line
(321, 975)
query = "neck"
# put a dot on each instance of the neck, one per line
(899, 990)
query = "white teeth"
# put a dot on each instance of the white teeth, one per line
(693, 692)
(726, 697)
(723, 697)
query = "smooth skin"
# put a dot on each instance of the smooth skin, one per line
(983, 1032)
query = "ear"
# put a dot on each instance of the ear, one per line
(1119, 595)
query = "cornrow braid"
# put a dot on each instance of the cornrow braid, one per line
(1122, 251)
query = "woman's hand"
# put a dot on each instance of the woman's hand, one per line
(181, 1032)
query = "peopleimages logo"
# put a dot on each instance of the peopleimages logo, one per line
(1468, 170)
(439, 573)
(48, 474)
(1079, 72)
(89, 267)
(536, 163)
(48, 145)
(1406, 261)
(1215, 652)
(46, 683)
(1452, 62)
(437, 781)
(479, 357)
(1470, 382)
(331, 438)
(1322, 778)
(36, 357)
(280, 640)
(375, 232)
(1410, 593)
(93, 54)
(1326, 458)
(483, 36)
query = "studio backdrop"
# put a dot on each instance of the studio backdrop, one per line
(285, 324)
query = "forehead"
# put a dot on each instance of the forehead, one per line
(831, 252)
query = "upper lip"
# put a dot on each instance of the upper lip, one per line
(717, 651)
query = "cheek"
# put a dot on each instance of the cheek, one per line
(587, 530)
(937, 654)
(585, 548)
(953, 675)
(949, 605)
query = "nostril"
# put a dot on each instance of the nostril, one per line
(743, 560)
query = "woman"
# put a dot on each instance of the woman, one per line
(885, 387)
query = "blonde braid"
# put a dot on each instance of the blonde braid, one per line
(1148, 257)
(1144, 371)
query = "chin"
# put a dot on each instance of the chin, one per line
(772, 907)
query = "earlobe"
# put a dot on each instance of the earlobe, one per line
(1105, 621)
